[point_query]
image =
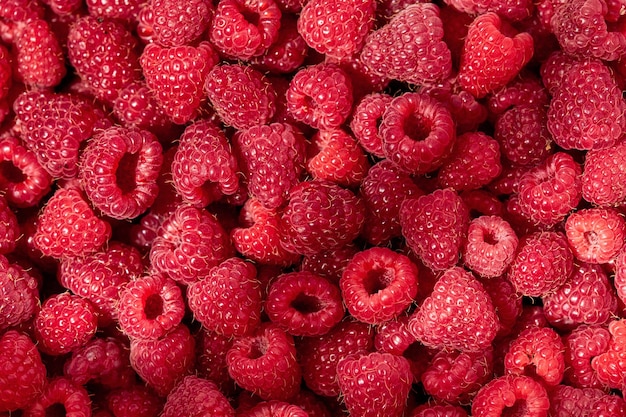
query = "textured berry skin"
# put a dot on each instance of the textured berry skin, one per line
(619, 280)
(123, 10)
(227, 300)
(68, 227)
(119, 170)
(265, 363)
(134, 401)
(23, 374)
(6, 72)
(510, 9)
(609, 365)
(506, 301)
(178, 23)
(587, 109)
(189, 243)
(378, 284)
(19, 292)
(320, 95)
(304, 304)
(204, 167)
(320, 216)
(60, 391)
(288, 51)
(438, 410)
(568, 401)
(317, 23)
(366, 117)
(418, 132)
(595, 235)
(604, 175)
(410, 47)
(493, 54)
(136, 107)
(527, 89)
(274, 408)
(581, 345)
(211, 349)
(548, 192)
(387, 393)
(330, 263)
(519, 395)
(9, 228)
(272, 158)
(490, 246)
(197, 396)
(435, 227)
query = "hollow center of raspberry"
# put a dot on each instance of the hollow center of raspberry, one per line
(258, 348)
(376, 280)
(416, 127)
(490, 238)
(306, 304)
(591, 237)
(251, 17)
(56, 410)
(154, 306)
(125, 172)
(11, 173)
(517, 409)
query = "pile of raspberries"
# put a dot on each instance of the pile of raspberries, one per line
(312, 208)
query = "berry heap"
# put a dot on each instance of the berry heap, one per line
(312, 208)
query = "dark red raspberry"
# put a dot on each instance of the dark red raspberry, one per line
(510, 9)
(197, 396)
(583, 344)
(136, 107)
(20, 294)
(274, 408)
(512, 394)
(9, 228)
(609, 365)
(60, 392)
(211, 349)
(506, 301)
(178, 23)
(482, 202)
(566, 401)
(64, 7)
(490, 247)
(595, 235)
(619, 280)
(364, 80)
(524, 90)
(604, 175)
(366, 117)
(438, 410)
(288, 51)
(134, 401)
(608, 405)
(330, 263)
(418, 132)
(410, 47)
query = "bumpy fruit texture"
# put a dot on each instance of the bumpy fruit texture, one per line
(197, 395)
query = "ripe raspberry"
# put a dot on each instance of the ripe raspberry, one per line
(490, 246)
(366, 118)
(604, 175)
(435, 227)
(272, 159)
(438, 410)
(274, 408)
(410, 47)
(54, 126)
(163, 362)
(609, 365)
(369, 397)
(586, 298)
(566, 401)
(493, 54)
(524, 90)
(288, 51)
(320, 96)
(204, 167)
(320, 216)
(60, 393)
(211, 349)
(317, 23)
(608, 405)
(19, 292)
(548, 192)
(64, 323)
(189, 243)
(364, 80)
(583, 344)
(510, 9)
(9, 228)
(197, 396)
(555, 67)
(619, 280)
(330, 263)
(176, 77)
(68, 227)
(506, 301)
(136, 107)
(125, 11)
(513, 395)
(242, 29)
(418, 132)
(265, 363)
(134, 401)
(23, 374)
(227, 299)
(595, 235)
(178, 23)
(482, 202)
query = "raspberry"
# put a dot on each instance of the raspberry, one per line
(417, 132)
(330, 263)
(512, 395)
(178, 23)
(435, 227)
(288, 51)
(369, 397)
(609, 365)
(68, 227)
(548, 192)
(197, 396)
(274, 408)
(583, 344)
(320, 216)
(6, 72)
(231, 283)
(20, 295)
(595, 235)
(211, 349)
(272, 158)
(490, 246)
(554, 69)
(304, 304)
(604, 175)
(459, 314)
(438, 410)
(364, 80)
(189, 243)
(619, 280)
(64, 323)
(23, 374)
(265, 363)
(525, 90)
(378, 284)
(568, 401)
(410, 47)
(242, 29)
(9, 228)
(586, 298)
(123, 10)
(204, 167)
(366, 117)
(136, 107)
(482, 202)
(63, 7)
(493, 54)
(510, 9)
(62, 393)
(135, 401)
(608, 405)
(317, 23)
(320, 96)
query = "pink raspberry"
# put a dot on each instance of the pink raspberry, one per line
(366, 117)
(604, 175)
(609, 365)
(583, 344)
(329, 263)
(178, 23)
(60, 392)
(136, 107)
(134, 401)
(20, 294)
(514, 394)
(410, 47)
(197, 396)
(595, 235)
(64, 7)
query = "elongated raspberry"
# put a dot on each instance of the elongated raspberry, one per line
(366, 117)
(490, 246)
(517, 394)
(583, 344)
(604, 175)
(609, 365)
(60, 392)
(595, 235)
(197, 395)
(20, 294)
(178, 23)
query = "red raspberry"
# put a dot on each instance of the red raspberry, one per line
(330, 263)
(227, 299)
(583, 344)
(68, 227)
(64, 323)
(272, 158)
(506, 301)
(197, 396)
(320, 96)
(123, 10)
(265, 363)
(335, 156)
(177, 23)
(23, 374)
(189, 243)
(510, 9)
(211, 349)
(60, 393)
(20, 295)
(135, 401)
(378, 284)
(482, 202)
(604, 175)
(524, 90)
(288, 51)
(163, 362)
(493, 54)
(242, 29)
(555, 67)
(9, 228)
(364, 80)
(513, 395)
(410, 47)
(369, 397)
(608, 405)
(619, 280)
(586, 298)
(435, 227)
(418, 133)
(490, 246)
(204, 167)
(566, 401)
(64, 7)
(304, 304)
(548, 192)
(609, 365)
(136, 107)
(320, 216)
(366, 118)
(176, 77)
(595, 235)
(438, 410)
(274, 408)
(317, 23)
(54, 126)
